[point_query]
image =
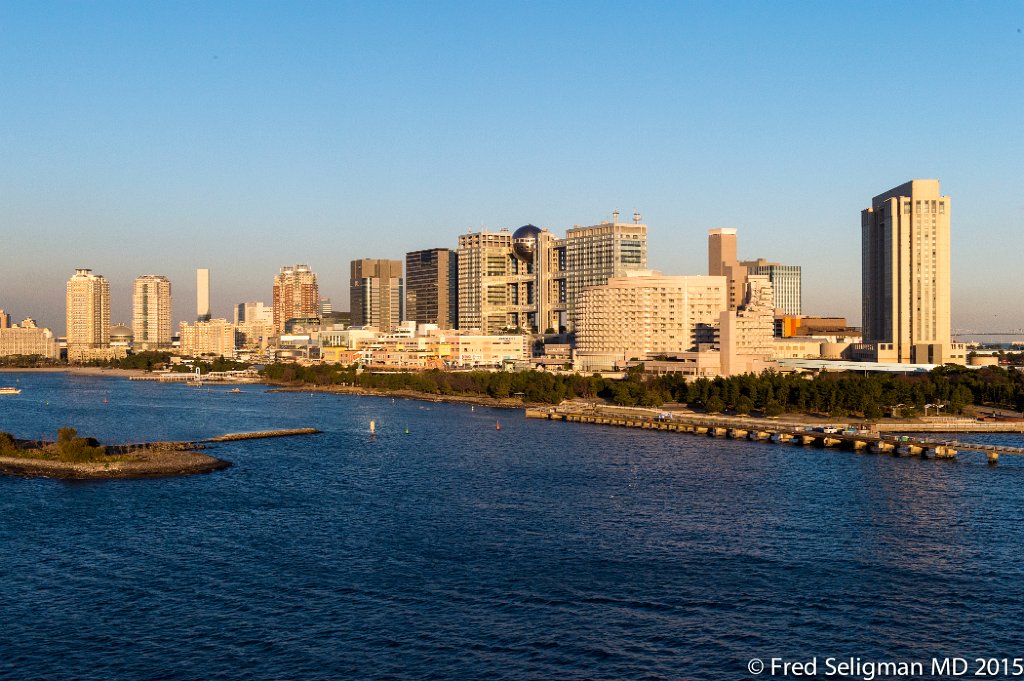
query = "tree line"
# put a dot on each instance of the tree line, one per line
(947, 390)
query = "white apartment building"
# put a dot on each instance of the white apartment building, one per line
(151, 312)
(28, 339)
(639, 315)
(88, 315)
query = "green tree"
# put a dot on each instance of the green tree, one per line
(7, 444)
(714, 405)
(70, 447)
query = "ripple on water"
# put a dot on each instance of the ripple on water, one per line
(544, 550)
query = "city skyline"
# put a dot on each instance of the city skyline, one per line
(168, 139)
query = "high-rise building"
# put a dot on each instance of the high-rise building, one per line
(88, 314)
(632, 317)
(785, 281)
(510, 280)
(531, 279)
(432, 287)
(296, 295)
(377, 293)
(905, 275)
(151, 312)
(5, 320)
(722, 262)
(203, 295)
(595, 254)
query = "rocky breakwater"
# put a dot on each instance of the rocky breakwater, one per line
(75, 458)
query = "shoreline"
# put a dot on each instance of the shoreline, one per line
(80, 371)
(359, 391)
(962, 425)
(131, 461)
(147, 462)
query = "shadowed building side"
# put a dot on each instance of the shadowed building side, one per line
(432, 287)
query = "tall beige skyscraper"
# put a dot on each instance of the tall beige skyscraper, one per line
(905, 280)
(151, 312)
(203, 294)
(377, 293)
(296, 295)
(722, 262)
(88, 313)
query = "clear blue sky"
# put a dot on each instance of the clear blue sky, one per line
(156, 138)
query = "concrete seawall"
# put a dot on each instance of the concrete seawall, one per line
(770, 431)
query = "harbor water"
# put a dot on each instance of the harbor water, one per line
(441, 547)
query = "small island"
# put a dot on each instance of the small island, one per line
(77, 458)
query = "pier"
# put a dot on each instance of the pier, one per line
(259, 435)
(759, 430)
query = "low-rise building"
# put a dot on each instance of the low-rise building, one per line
(425, 347)
(215, 337)
(254, 335)
(28, 339)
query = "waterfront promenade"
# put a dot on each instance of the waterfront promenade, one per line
(879, 438)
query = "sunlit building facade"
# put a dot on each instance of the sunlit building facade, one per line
(632, 317)
(905, 275)
(88, 315)
(296, 295)
(151, 312)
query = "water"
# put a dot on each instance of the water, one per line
(543, 550)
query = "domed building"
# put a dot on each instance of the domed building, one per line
(529, 279)
(524, 242)
(121, 336)
(509, 281)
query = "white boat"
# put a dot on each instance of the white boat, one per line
(10, 391)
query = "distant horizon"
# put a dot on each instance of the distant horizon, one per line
(241, 138)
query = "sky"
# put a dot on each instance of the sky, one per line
(156, 138)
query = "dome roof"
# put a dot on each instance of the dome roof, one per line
(122, 331)
(524, 241)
